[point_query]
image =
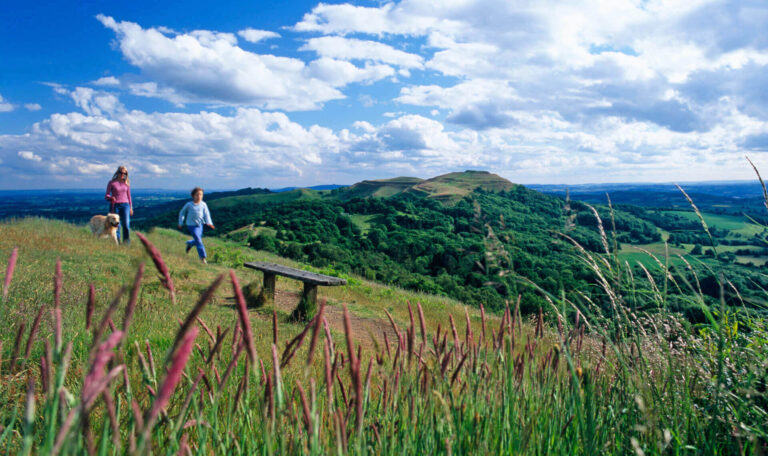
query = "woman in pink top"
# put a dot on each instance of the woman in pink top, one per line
(119, 197)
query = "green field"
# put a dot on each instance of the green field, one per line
(363, 221)
(733, 223)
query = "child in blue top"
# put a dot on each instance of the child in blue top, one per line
(196, 214)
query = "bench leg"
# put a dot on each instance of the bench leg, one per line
(267, 295)
(307, 307)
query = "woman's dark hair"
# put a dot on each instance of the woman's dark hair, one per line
(195, 190)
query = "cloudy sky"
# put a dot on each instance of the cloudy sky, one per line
(299, 93)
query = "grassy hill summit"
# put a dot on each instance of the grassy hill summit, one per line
(446, 188)
(381, 188)
(450, 188)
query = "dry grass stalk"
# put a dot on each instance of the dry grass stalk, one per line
(9, 271)
(206, 329)
(33, 332)
(193, 314)
(274, 327)
(157, 259)
(131, 307)
(245, 323)
(17, 346)
(422, 323)
(99, 330)
(230, 367)
(178, 362)
(305, 408)
(354, 371)
(315, 332)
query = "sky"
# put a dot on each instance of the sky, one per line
(233, 94)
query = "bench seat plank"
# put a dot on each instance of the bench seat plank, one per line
(304, 276)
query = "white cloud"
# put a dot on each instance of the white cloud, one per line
(92, 168)
(216, 148)
(350, 49)
(152, 90)
(407, 18)
(5, 106)
(29, 155)
(339, 73)
(542, 91)
(254, 36)
(91, 101)
(109, 81)
(209, 67)
(568, 56)
(154, 169)
(32, 107)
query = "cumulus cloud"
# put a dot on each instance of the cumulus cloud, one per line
(109, 81)
(5, 106)
(536, 91)
(32, 107)
(205, 66)
(152, 90)
(254, 36)
(216, 148)
(29, 155)
(339, 73)
(91, 101)
(338, 47)
(586, 60)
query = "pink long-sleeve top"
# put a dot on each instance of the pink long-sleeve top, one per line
(120, 191)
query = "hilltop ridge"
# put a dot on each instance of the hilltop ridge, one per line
(447, 188)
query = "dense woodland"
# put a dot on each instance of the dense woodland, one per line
(483, 249)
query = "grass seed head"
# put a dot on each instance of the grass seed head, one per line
(157, 259)
(9, 271)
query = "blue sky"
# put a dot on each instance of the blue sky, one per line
(271, 94)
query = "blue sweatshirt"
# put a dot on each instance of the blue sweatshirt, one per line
(195, 214)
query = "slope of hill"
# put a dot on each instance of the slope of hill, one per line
(452, 187)
(87, 260)
(447, 188)
(466, 235)
(382, 188)
(592, 386)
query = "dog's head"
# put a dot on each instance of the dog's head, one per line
(113, 219)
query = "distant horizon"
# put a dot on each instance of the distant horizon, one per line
(211, 190)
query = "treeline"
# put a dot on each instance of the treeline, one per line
(474, 251)
(480, 250)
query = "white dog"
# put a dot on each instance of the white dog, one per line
(105, 225)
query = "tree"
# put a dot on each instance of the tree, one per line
(696, 250)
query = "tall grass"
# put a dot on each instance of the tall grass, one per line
(632, 379)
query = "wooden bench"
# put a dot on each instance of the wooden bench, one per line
(308, 304)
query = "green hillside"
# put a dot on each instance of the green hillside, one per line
(382, 188)
(447, 188)
(452, 187)
(478, 238)
(440, 378)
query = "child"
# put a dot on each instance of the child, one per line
(196, 214)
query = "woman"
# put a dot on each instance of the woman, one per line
(119, 197)
(194, 215)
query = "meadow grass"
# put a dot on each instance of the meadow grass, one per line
(732, 223)
(147, 376)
